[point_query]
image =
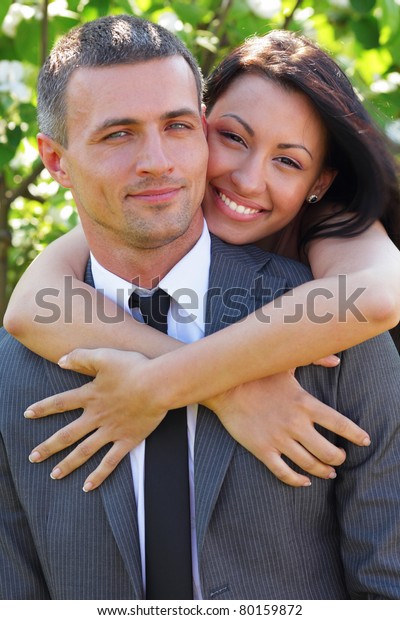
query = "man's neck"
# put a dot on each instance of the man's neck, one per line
(144, 267)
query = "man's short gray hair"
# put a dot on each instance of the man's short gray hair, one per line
(112, 40)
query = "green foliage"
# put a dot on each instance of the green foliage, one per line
(363, 35)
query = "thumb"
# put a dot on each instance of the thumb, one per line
(85, 361)
(330, 361)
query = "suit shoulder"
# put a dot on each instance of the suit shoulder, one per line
(14, 356)
(294, 272)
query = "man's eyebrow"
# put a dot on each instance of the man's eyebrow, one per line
(247, 127)
(295, 146)
(116, 122)
(181, 112)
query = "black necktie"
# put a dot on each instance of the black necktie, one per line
(166, 487)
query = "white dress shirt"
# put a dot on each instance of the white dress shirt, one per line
(187, 285)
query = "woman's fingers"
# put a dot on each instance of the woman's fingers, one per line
(339, 424)
(113, 457)
(65, 401)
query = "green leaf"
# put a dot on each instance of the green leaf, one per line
(27, 113)
(390, 19)
(102, 6)
(366, 30)
(363, 6)
(191, 14)
(5, 5)
(27, 41)
(7, 152)
(14, 136)
(143, 5)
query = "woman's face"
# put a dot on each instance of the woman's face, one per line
(267, 150)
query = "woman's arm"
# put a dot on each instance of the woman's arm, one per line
(294, 342)
(334, 313)
(73, 321)
(355, 297)
(369, 261)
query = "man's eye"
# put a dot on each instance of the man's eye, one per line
(116, 134)
(178, 125)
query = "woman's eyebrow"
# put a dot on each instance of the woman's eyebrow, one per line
(247, 127)
(295, 146)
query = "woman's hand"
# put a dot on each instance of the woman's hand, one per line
(271, 417)
(110, 412)
(275, 417)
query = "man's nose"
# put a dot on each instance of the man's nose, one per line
(153, 158)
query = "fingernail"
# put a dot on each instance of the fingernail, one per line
(307, 484)
(332, 475)
(88, 486)
(29, 413)
(62, 360)
(34, 457)
(55, 473)
(367, 441)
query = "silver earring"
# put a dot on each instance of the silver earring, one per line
(312, 199)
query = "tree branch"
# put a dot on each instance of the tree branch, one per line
(290, 16)
(22, 189)
(219, 20)
(45, 33)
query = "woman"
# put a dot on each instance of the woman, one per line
(270, 165)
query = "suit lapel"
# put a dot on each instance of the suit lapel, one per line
(120, 506)
(117, 492)
(236, 288)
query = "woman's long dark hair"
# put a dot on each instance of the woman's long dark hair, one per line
(366, 187)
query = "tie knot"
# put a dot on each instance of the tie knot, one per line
(154, 308)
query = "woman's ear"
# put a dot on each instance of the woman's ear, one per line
(52, 155)
(323, 182)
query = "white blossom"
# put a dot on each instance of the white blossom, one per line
(16, 13)
(393, 131)
(12, 80)
(170, 21)
(60, 7)
(265, 8)
(341, 4)
(25, 156)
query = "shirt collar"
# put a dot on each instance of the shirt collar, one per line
(186, 283)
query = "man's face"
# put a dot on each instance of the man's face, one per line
(137, 154)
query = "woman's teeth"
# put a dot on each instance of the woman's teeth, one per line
(235, 207)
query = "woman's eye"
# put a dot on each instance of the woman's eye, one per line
(289, 162)
(234, 137)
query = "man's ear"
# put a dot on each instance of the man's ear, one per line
(323, 182)
(52, 155)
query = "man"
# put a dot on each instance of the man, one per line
(135, 160)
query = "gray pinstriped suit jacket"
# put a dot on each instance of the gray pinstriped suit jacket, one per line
(257, 538)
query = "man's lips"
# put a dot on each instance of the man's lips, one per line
(160, 194)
